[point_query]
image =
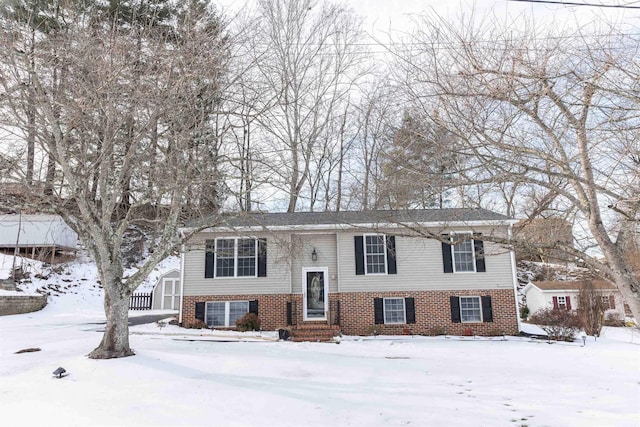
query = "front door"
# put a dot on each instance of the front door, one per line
(315, 294)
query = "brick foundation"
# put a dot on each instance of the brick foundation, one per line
(433, 314)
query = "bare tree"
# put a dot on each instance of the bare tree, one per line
(419, 165)
(314, 54)
(375, 117)
(555, 111)
(97, 119)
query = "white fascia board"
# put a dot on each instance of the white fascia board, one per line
(343, 227)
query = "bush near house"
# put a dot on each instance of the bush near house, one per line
(560, 325)
(248, 322)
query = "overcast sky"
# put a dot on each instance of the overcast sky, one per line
(383, 16)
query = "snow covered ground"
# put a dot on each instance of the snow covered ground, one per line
(184, 377)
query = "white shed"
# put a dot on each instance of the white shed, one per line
(564, 295)
(166, 292)
(36, 234)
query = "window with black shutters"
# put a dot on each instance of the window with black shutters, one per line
(236, 257)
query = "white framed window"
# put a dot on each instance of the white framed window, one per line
(463, 253)
(470, 309)
(236, 257)
(606, 302)
(562, 302)
(225, 313)
(394, 311)
(375, 253)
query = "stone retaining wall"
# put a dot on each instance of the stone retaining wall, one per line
(18, 304)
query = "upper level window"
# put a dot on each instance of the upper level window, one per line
(463, 254)
(375, 254)
(236, 257)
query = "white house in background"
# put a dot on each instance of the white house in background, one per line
(166, 292)
(564, 295)
(37, 235)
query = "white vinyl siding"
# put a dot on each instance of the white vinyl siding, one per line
(325, 246)
(420, 266)
(276, 282)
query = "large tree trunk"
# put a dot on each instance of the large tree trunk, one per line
(115, 341)
(622, 273)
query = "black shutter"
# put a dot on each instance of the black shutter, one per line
(378, 310)
(410, 310)
(262, 257)
(487, 311)
(289, 314)
(209, 255)
(200, 311)
(392, 268)
(359, 246)
(455, 309)
(478, 247)
(446, 256)
(253, 307)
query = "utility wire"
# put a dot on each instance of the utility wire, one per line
(570, 3)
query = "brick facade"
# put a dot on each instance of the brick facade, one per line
(432, 311)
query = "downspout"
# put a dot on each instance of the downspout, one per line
(182, 249)
(290, 264)
(515, 277)
(338, 262)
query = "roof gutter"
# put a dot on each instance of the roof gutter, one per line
(371, 225)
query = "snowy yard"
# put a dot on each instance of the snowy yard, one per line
(181, 378)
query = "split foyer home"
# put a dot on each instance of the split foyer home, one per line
(392, 272)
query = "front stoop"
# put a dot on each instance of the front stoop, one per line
(314, 332)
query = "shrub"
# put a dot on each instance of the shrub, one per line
(198, 324)
(438, 330)
(248, 322)
(495, 333)
(524, 312)
(590, 308)
(613, 318)
(561, 325)
(374, 330)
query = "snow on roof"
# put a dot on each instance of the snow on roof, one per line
(40, 217)
(36, 230)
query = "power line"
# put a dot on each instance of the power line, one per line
(570, 3)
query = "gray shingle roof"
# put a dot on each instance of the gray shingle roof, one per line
(260, 219)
